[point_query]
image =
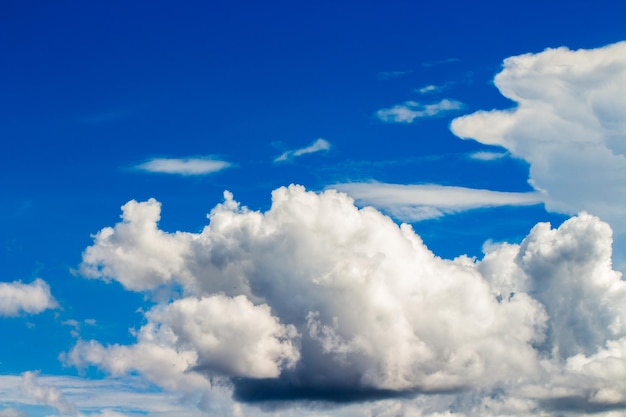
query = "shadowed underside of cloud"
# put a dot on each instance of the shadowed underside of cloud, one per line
(568, 124)
(412, 203)
(581, 405)
(318, 300)
(285, 390)
(183, 166)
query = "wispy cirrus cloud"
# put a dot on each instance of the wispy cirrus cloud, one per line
(487, 155)
(317, 146)
(184, 166)
(408, 111)
(427, 201)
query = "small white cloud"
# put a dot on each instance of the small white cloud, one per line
(184, 166)
(420, 202)
(428, 89)
(411, 110)
(317, 146)
(488, 156)
(17, 298)
(75, 325)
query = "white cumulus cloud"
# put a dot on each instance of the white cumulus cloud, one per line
(17, 298)
(318, 299)
(568, 124)
(408, 111)
(184, 166)
(317, 146)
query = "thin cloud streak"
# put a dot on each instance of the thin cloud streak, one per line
(487, 156)
(317, 146)
(408, 111)
(183, 166)
(421, 202)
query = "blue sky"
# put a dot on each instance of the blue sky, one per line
(471, 123)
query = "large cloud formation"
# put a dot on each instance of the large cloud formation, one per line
(316, 299)
(568, 124)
